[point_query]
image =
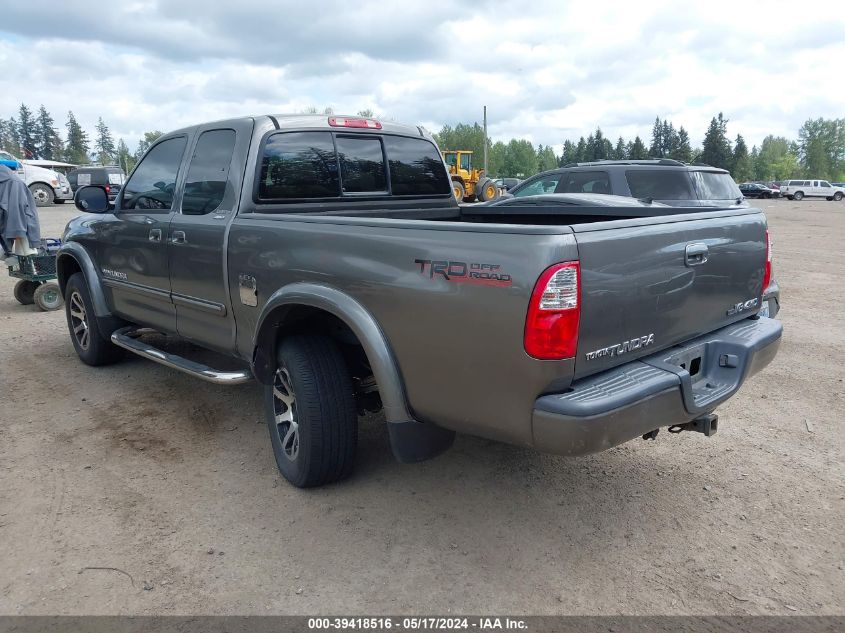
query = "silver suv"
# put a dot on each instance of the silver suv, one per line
(800, 189)
(660, 180)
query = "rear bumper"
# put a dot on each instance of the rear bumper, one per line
(625, 402)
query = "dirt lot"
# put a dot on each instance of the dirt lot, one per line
(135, 489)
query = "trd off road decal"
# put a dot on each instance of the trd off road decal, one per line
(463, 272)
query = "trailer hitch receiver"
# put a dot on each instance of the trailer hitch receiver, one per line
(706, 424)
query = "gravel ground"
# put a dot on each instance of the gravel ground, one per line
(135, 489)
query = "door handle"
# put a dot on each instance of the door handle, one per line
(178, 237)
(155, 235)
(695, 254)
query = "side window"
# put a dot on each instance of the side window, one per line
(659, 184)
(153, 183)
(465, 161)
(208, 174)
(361, 164)
(824, 183)
(544, 184)
(416, 168)
(584, 182)
(299, 165)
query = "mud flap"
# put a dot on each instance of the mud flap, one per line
(415, 441)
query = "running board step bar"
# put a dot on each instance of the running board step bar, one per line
(127, 338)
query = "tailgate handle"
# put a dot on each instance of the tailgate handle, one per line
(696, 254)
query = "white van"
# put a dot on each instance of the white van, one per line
(800, 189)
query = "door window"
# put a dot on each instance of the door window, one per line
(465, 161)
(584, 182)
(657, 184)
(153, 184)
(544, 184)
(824, 183)
(205, 186)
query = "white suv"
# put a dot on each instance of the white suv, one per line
(799, 189)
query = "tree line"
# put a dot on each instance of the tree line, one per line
(35, 136)
(818, 152)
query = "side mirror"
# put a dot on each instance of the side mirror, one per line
(92, 199)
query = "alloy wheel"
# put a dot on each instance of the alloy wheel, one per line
(284, 409)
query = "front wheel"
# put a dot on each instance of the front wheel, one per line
(311, 413)
(43, 195)
(458, 190)
(838, 196)
(91, 344)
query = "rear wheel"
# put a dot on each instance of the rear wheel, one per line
(458, 190)
(838, 196)
(798, 195)
(48, 297)
(311, 414)
(25, 291)
(91, 344)
(42, 193)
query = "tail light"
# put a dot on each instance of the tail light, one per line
(107, 188)
(767, 276)
(551, 327)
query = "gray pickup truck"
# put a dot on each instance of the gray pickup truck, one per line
(326, 258)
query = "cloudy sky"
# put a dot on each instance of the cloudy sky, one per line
(547, 70)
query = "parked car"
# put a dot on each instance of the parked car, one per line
(47, 186)
(756, 190)
(329, 259)
(838, 184)
(111, 177)
(507, 183)
(800, 189)
(661, 180)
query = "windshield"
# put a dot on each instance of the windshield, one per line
(713, 185)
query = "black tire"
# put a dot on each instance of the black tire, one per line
(48, 297)
(91, 344)
(42, 193)
(311, 413)
(838, 196)
(487, 190)
(458, 190)
(798, 195)
(25, 291)
(789, 197)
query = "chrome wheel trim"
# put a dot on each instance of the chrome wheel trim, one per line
(40, 194)
(284, 411)
(79, 320)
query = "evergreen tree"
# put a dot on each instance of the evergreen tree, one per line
(637, 150)
(619, 152)
(47, 137)
(104, 145)
(568, 155)
(77, 146)
(124, 157)
(656, 148)
(9, 136)
(716, 151)
(821, 145)
(26, 132)
(682, 150)
(546, 158)
(671, 139)
(581, 151)
(741, 168)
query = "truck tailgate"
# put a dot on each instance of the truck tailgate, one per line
(650, 284)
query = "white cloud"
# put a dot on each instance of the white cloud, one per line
(546, 70)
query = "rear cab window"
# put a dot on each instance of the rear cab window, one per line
(660, 184)
(714, 185)
(303, 166)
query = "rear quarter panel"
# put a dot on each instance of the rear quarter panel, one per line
(459, 346)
